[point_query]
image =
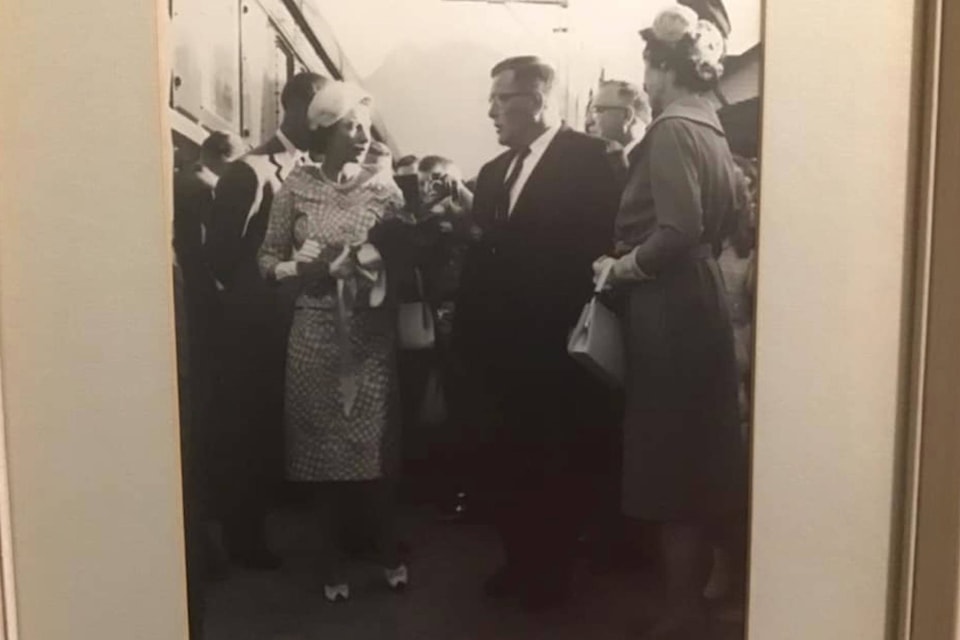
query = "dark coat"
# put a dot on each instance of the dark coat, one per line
(241, 211)
(684, 457)
(524, 284)
(192, 209)
(250, 332)
(682, 190)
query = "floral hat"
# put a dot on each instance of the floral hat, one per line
(680, 28)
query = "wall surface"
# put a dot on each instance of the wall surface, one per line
(85, 321)
(835, 151)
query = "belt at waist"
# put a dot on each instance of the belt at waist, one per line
(699, 252)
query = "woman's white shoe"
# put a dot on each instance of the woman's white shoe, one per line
(397, 578)
(336, 592)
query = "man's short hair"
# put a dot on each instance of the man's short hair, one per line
(431, 164)
(529, 70)
(406, 161)
(221, 145)
(301, 88)
(630, 95)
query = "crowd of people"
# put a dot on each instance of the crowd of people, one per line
(361, 326)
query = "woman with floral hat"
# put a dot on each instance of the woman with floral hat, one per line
(684, 463)
(341, 409)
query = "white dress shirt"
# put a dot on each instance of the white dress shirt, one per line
(537, 148)
(290, 157)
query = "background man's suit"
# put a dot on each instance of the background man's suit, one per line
(251, 350)
(523, 287)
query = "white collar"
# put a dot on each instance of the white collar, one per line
(288, 146)
(539, 146)
(207, 176)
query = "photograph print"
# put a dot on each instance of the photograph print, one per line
(464, 305)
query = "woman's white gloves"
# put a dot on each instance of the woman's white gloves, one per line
(622, 269)
(309, 252)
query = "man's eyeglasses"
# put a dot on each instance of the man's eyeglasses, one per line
(504, 97)
(598, 109)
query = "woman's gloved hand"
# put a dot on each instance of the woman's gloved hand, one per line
(345, 265)
(308, 252)
(600, 265)
(622, 269)
(313, 262)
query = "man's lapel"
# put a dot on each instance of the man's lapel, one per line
(539, 180)
(633, 158)
(279, 171)
(494, 189)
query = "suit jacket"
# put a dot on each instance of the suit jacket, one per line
(241, 210)
(617, 158)
(192, 205)
(525, 282)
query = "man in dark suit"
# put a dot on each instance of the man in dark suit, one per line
(193, 192)
(545, 207)
(252, 331)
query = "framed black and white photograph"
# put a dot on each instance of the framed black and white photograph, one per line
(465, 315)
(481, 324)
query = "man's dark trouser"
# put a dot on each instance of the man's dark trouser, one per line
(546, 461)
(246, 449)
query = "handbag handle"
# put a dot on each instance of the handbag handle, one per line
(604, 276)
(425, 306)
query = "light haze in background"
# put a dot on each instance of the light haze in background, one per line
(427, 62)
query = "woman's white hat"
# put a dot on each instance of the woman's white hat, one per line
(333, 101)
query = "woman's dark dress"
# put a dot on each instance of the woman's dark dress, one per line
(683, 457)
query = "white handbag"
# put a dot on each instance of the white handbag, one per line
(415, 325)
(597, 340)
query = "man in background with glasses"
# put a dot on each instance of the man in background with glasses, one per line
(621, 113)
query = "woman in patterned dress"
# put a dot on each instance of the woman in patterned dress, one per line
(341, 389)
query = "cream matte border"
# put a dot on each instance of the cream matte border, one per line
(87, 338)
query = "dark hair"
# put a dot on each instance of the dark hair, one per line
(406, 161)
(301, 89)
(219, 145)
(679, 58)
(429, 163)
(529, 70)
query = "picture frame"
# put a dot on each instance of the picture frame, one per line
(849, 501)
(931, 575)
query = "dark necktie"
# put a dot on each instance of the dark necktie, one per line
(503, 207)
